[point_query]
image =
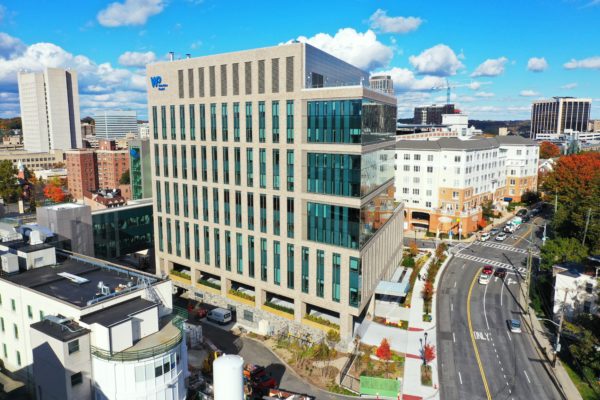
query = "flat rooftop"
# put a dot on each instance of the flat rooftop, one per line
(118, 313)
(47, 280)
(64, 332)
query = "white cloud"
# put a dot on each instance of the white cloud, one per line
(528, 93)
(130, 12)
(474, 85)
(491, 67)
(10, 46)
(586, 63)
(484, 94)
(536, 64)
(362, 50)
(405, 80)
(136, 59)
(98, 83)
(439, 60)
(382, 23)
(569, 86)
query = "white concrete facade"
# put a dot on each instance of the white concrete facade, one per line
(49, 103)
(576, 291)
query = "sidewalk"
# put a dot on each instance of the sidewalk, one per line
(542, 345)
(415, 338)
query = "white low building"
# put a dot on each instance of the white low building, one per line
(75, 327)
(576, 290)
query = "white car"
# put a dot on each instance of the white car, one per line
(501, 236)
(514, 325)
(484, 237)
(484, 278)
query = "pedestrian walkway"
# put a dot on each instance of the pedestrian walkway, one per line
(505, 247)
(493, 263)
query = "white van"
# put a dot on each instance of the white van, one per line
(219, 315)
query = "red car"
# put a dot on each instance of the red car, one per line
(488, 270)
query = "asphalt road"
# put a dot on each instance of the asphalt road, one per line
(255, 353)
(511, 366)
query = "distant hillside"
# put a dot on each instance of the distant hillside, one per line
(10, 123)
(514, 126)
(487, 126)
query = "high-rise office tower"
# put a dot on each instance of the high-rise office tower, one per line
(550, 118)
(432, 115)
(50, 110)
(113, 125)
(383, 83)
(273, 176)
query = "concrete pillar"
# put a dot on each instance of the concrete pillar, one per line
(225, 286)
(346, 325)
(260, 296)
(299, 310)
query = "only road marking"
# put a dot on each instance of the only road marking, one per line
(482, 372)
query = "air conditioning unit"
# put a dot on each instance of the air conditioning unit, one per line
(10, 263)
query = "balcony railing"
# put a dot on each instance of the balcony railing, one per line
(141, 354)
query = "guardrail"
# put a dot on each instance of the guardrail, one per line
(135, 355)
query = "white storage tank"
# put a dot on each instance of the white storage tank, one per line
(228, 377)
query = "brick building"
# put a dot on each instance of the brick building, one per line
(82, 178)
(112, 163)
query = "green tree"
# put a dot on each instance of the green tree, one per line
(9, 189)
(560, 250)
(487, 209)
(530, 197)
(585, 351)
(125, 178)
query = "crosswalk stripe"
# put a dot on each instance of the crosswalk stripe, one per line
(506, 247)
(490, 262)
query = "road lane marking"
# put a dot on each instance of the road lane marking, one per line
(485, 336)
(453, 337)
(482, 372)
(484, 311)
(501, 292)
(451, 306)
(460, 377)
(526, 376)
(455, 284)
(523, 236)
(509, 338)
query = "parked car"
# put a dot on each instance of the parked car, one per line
(514, 325)
(501, 236)
(484, 237)
(526, 218)
(219, 315)
(522, 212)
(494, 231)
(500, 273)
(488, 270)
(484, 278)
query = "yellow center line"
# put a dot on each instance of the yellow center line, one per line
(522, 236)
(485, 384)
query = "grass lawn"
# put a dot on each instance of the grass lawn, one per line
(584, 389)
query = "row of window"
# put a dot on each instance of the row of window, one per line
(225, 120)
(221, 165)
(223, 202)
(232, 71)
(272, 255)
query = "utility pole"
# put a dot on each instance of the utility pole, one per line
(527, 278)
(587, 224)
(562, 318)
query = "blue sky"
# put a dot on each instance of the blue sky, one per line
(498, 55)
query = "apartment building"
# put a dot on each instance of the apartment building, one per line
(273, 177)
(49, 102)
(82, 178)
(33, 161)
(444, 182)
(432, 114)
(550, 119)
(78, 328)
(112, 163)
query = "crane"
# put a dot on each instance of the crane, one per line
(449, 87)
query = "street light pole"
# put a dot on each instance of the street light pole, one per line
(527, 278)
(560, 324)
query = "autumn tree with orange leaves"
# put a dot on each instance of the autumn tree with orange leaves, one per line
(549, 150)
(54, 192)
(575, 179)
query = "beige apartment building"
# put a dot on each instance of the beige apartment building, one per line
(444, 181)
(273, 184)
